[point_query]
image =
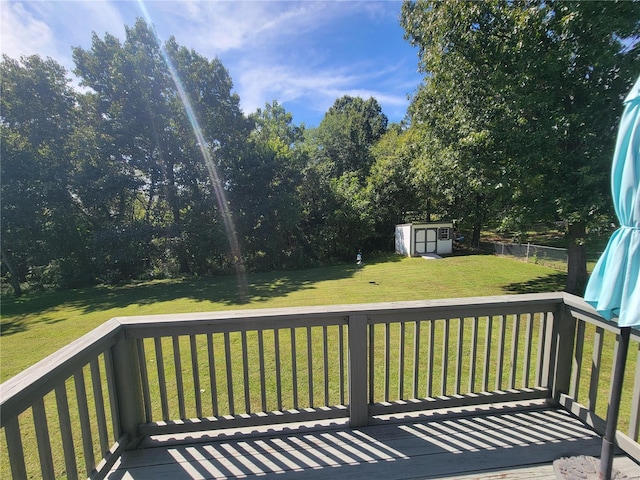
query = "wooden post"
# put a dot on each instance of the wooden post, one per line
(128, 389)
(560, 352)
(358, 405)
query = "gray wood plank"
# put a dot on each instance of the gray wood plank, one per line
(510, 444)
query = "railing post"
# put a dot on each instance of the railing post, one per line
(358, 403)
(128, 388)
(560, 350)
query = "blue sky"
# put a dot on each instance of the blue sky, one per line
(303, 54)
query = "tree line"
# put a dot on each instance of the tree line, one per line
(150, 169)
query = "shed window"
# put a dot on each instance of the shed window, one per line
(444, 233)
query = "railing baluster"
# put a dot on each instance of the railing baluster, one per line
(372, 363)
(113, 394)
(245, 371)
(526, 369)
(101, 419)
(213, 381)
(634, 419)
(310, 366)
(445, 358)
(177, 361)
(42, 436)
(62, 403)
(402, 328)
(596, 365)
(474, 355)
(144, 376)
(85, 423)
(576, 368)
(263, 390)
(542, 335)
(195, 370)
(294, 368)
(387, 360)
(341, 362)
(276, 343)
(500, 351)
(514, 351)
(162, 381)
(459, 355)
(487, 354)
(227, 357)
(432, 334)
(14, 447)
(325, 354)
(416, 358)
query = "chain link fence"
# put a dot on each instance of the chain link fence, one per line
(549, 256)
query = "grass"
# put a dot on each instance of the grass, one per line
(35, 325)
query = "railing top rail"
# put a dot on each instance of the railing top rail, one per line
(583, 311)
(39, 379)
(319, 313)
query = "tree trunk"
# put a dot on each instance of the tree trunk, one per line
(13, 278)
(475, 238)
(577, 261)
(477, 224)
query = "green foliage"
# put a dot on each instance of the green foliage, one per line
(524, 97)
(154, 171)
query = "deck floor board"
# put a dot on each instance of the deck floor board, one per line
(487, 445)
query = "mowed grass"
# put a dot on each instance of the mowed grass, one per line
(38, 324)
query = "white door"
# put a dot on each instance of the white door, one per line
(425, 240)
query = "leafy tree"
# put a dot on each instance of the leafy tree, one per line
(337, 218)
(524, 96)
(262, 189)
(169, 147)
(40, 225)
(391, 186)
(347, 132)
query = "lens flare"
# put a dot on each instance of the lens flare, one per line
(221, 199)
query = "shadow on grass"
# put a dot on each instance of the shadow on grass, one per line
(225, 290)
(554, 282)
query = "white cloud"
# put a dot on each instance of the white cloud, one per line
(218, 27)
(319, 87)
(51, 29)
(24, 34)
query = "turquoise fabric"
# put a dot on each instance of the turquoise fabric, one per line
(614, 287)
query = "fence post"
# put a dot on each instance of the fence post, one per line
(358, 403)
(128, 388)
(560, 351)
(528, 245)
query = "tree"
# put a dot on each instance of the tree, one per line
(167, 117)
(526, 96)
(347, 132)
(337, 219)
(391, 189)
(262, 187)
(41, 229)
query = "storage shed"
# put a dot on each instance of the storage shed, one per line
(416, 239)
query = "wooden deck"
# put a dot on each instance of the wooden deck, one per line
(494, 442)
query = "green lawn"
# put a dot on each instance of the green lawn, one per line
(36, 325)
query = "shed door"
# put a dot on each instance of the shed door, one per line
(425, 240)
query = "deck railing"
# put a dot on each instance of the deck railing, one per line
(137, 376)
